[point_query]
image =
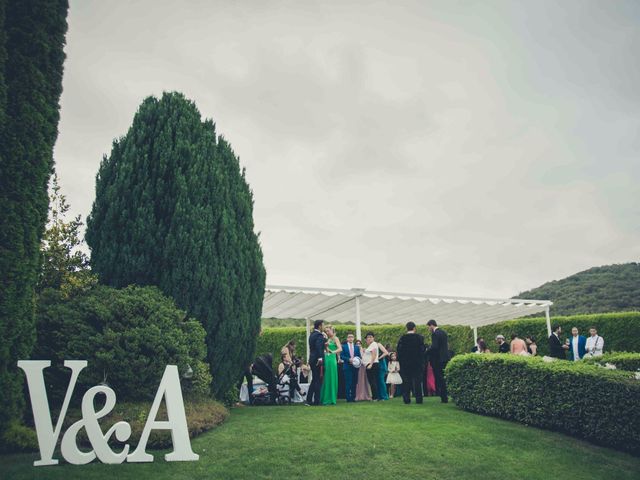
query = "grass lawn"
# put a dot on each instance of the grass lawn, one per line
(363, 440)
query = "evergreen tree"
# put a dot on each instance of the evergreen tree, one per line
(65, 266)
(32, 35)
(173, 209)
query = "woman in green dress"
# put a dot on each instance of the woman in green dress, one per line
(333, 347)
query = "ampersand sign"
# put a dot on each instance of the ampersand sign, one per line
(90, 417)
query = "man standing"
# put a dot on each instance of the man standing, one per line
(349, 352)
(594, 345)
(503, 347)
(556, 348)
(439, 357)
(410, 351)
(576, 345)
(316, 358)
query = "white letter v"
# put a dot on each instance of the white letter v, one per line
(47, 436)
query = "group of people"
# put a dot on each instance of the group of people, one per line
(368, 369)
(576, 347)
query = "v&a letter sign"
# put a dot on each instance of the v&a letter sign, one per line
(48, 434)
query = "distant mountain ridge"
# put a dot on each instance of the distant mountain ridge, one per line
(610, 288)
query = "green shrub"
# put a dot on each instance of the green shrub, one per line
(128, 336)
(202, 415)
(602, 406)
(622, 360)
(271, 340)
(18, 438)
(621, 331)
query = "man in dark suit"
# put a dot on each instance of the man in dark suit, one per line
(556, 348)
(348, 353)
(410, 351)
(316, 358)
(438, 354)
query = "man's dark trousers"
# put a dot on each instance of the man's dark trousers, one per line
(350, 382)
(313, 395)
(441, 383)
(411, 382)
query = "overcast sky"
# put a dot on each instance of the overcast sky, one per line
(460, 148)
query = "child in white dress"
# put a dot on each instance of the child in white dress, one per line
(393, 378)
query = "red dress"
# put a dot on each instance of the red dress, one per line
(430, 380)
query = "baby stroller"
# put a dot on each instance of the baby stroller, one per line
(262, 368)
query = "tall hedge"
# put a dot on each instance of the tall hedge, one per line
(271, 340)
(173, 209)
(32, 37)
(599, 405)
(620, 330)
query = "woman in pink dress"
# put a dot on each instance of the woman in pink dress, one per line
(362, 388)
(518, 346)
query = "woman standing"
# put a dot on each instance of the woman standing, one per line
(383, 358)
(362, 388)
(532, 348)
(333, 347)
(370, 360)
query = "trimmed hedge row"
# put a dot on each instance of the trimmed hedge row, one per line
(622, 360)
(599, 405)
(271, 340)
(621, 332)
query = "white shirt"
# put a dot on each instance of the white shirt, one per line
(370, 353)
(574, 342)
(595, 345)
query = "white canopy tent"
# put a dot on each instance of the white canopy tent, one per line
(359, 304)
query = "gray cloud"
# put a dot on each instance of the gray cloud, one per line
(475, 148)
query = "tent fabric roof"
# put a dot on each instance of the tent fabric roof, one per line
(338, 305)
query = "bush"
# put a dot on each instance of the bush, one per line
(602, 406)
(128, 336)
(18, 438)
(622, 360)
(202, 415)
(621, 331)
(271, 340)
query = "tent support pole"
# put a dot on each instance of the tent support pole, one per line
(475, 335)
(546, 312)
(358, 326)
(308, 322)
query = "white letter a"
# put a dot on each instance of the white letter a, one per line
(177, 422)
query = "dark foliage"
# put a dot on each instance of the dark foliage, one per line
(32, 36)
(612, 288)
(273, 339)
(128, 337)
(173, 209)
(622, 360)
(587, 401)
(621, 331)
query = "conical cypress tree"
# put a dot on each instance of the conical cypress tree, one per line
(32, 35)
(173, 209)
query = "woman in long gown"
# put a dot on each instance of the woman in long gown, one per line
(382, 372)
(363, 392)
(329, 390)
(362, 388)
